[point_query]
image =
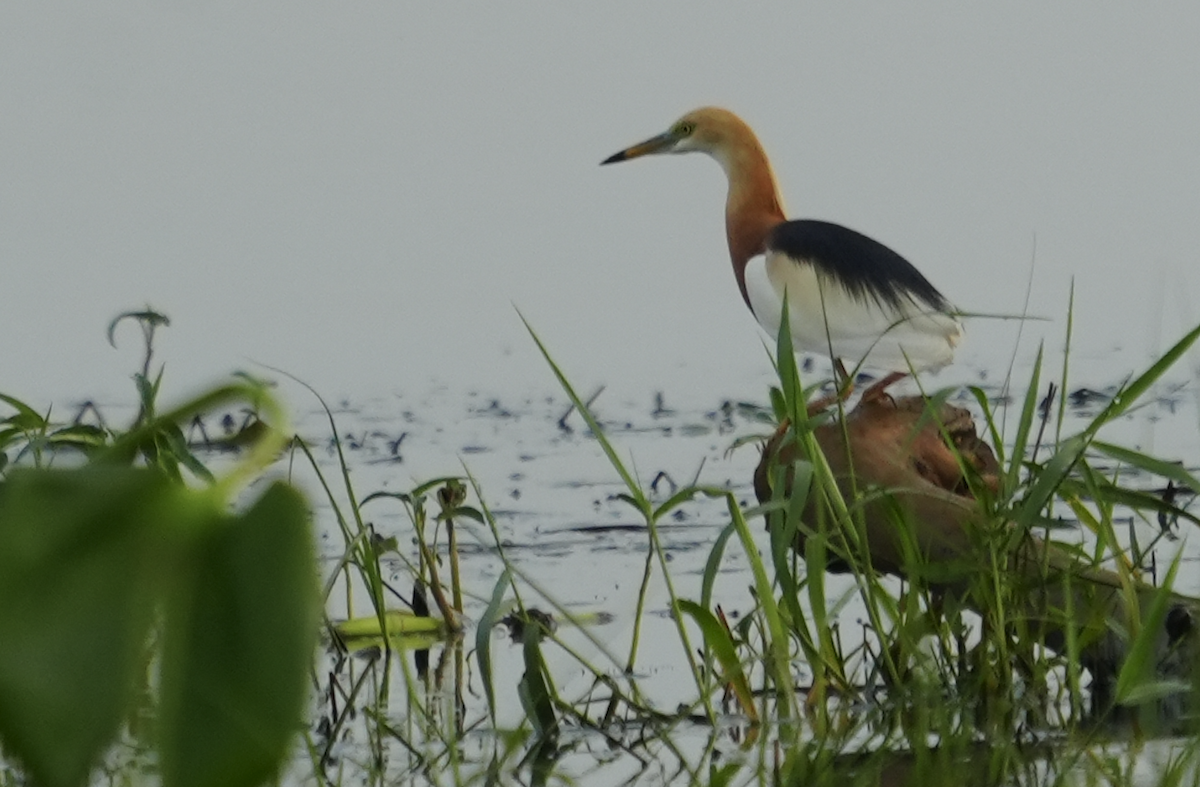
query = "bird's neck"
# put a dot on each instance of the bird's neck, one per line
(753, 207)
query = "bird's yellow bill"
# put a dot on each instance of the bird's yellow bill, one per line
(656, 144)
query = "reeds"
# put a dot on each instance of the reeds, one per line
(1029, 659)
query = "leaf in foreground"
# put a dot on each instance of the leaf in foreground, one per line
(76, 591)
(240, 633)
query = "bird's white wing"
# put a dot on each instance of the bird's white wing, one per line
(824, 315)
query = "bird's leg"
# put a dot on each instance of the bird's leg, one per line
(878, 389)
(819, 405)
(843, 388)
(777, 436)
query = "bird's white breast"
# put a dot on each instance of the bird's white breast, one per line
(823, 315)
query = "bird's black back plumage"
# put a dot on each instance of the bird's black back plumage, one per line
(866, 268)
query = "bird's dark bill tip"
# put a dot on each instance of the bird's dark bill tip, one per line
(614, 158)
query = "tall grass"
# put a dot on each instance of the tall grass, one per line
(932, 688)
(1059, 638)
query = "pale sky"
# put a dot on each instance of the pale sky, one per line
(360, 193)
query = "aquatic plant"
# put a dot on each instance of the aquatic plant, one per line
(182, 610)
(135, 583)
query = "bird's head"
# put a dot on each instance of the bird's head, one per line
(708, 130)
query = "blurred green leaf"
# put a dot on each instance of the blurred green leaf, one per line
(80, 435)
(1107, 492)
(465, 512)
(723, 776)
(77, 565)
(147, 318)
(240, 633)
(24, 412)
(778, 404)
(175, 451)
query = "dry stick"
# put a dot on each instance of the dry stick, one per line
(450, 497)
(455, 583)
(435, 585)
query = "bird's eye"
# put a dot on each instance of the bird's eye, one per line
(684, 129)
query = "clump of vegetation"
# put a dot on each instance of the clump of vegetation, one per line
(1014, 663)
(1023, 674)
(144, 597)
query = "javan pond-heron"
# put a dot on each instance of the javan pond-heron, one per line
(849, 297)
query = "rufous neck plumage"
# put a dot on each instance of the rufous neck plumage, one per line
(754, 206)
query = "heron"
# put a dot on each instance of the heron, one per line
(849, 297)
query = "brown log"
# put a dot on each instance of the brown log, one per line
(901, 464)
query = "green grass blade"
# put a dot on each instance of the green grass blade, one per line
(1049, 480)
(713, 565)
(722, 646)
(778, 656)
(1020, 441)
(1066, 366)
(1114, 495)
(1160, 467)
(1134, 390)
(28, 417)
(635, 490)
(537, 694)
(483, 641)
(1135, 682)
(985, 406)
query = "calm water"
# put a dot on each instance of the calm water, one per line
(553, 494)
(359, 196)
(554, 497)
